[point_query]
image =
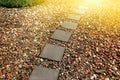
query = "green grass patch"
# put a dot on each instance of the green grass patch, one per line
(20, 3)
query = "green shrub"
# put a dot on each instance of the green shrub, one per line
(20, 3)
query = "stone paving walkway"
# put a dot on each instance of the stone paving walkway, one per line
(41, 73)
(61, 35)
(54, 52)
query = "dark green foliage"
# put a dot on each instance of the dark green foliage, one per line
(20, 3)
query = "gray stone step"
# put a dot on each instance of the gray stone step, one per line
(74, 17)
(42, 73)
(53, 52)
(61, 35)
(81, 9)
(69, 25)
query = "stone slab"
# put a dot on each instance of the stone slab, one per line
(74, 17)
(42, 73)
(61, 35)
(53, 52)
(83, 7)
(69, 25)
(79, 11)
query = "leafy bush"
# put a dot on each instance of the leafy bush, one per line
(20, 3)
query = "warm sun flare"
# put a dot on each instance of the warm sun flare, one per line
(94, 2)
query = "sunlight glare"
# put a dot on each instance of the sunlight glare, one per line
(94, 2)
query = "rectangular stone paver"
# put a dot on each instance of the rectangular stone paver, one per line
(83, 7)
(80, 11)
(42, 73)
(69, 25)
(61, 35)
(74, 17)
(53, 52)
